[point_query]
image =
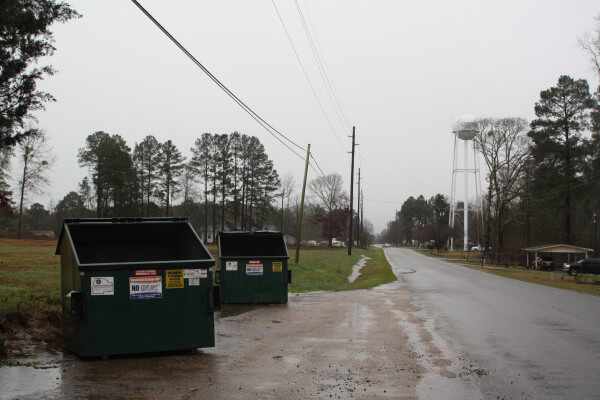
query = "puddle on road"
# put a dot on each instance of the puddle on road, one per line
(23, 380)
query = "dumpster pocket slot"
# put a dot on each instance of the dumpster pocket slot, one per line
(76, 304)
(289, 276)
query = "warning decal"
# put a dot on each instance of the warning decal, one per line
(277, 266)
(231, 266)
(103, 286)
(145, 272)
(254, 269)
(174, 279)
(145, 287)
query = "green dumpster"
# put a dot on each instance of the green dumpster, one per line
(253, 267)
(135, 285)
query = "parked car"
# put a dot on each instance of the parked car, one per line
(587, 266)
(545, 263)
(337, 243)
(477, 248)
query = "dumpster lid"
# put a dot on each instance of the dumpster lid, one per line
(264, 244)
(119, 241)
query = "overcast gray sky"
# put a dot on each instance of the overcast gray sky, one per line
(400, 69)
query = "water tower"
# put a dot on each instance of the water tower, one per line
(464, 128)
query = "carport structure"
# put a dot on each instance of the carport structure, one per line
(555, 248)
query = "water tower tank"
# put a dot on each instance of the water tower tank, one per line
(465, 127)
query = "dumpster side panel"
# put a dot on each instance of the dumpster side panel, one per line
(70, 282)
(129, 321)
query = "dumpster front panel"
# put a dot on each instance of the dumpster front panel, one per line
(254, 280)
(147, 313)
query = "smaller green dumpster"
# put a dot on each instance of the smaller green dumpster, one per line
(253, 267)
(135, 285)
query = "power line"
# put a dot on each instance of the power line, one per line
(268, 127)
(382, 201)
(345, 120)
(307, 78)
(317, 164)
(321, 68)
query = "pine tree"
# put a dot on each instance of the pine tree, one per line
(558, 148)
(170, 168)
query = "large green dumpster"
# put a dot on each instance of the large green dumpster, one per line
(135, 285)
(253, 267)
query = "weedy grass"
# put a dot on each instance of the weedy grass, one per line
(328, 269)
(583, 283)
(29, 277)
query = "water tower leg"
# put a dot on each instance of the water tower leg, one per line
(466, 206)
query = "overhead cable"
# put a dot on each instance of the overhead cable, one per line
(321, 68)
(307, 78)
(268, 127)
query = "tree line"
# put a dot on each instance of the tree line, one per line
(227, 183)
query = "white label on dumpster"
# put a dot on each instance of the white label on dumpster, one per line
(254, 269)
(195, 273)
(147, 287)
(194, 282)
(231, 266)
(103, 286)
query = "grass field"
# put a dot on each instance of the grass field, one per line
(328, 269)
(584, 283)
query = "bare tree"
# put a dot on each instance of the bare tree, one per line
(328, 193)
(590, 42)
(287, 187)
(36, 159)
(505, 148)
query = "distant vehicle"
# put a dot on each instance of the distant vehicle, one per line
(386, 245)
(312, 243)
(587, 266)
(337, 243)
(477, 248)
(545, 263)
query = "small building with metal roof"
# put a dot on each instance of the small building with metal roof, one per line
(556, 248)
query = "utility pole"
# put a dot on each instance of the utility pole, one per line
(396, 229)
(299, 235)
(350, 238)
(595, 235)
(362, 212)
(358, 208)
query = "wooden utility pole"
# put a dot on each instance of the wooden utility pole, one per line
(299, 235)
(350, 238)
(358, 213)
(362, 212)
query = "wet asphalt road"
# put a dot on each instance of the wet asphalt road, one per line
(526, 340)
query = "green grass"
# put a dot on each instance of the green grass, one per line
(328, 269)
(584, 283)
(29, 277)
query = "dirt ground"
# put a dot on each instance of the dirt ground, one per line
(361, 344)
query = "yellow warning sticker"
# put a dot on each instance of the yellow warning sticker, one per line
(277, 266)
(174, 279)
